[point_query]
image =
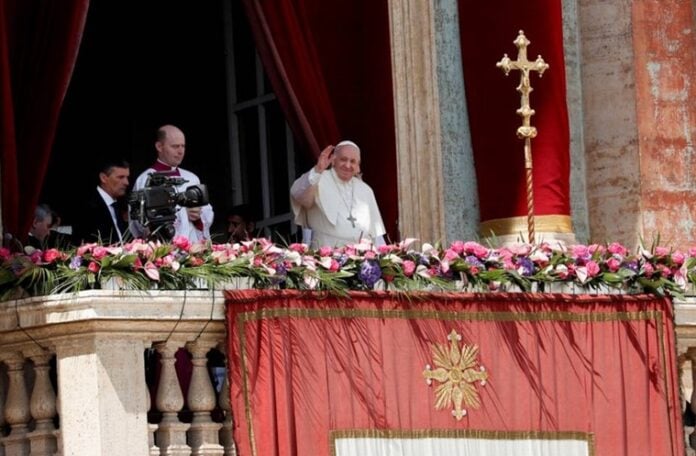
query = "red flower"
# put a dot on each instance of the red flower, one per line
(93, 267)
(182, 242)
(195, 261)
(51, 255)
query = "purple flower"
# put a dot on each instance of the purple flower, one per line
(342, 260)
(281, 274)
(525, 266)
(370, 272)
(473, 261)
(281, 270)
(632, 265)
(76, 262)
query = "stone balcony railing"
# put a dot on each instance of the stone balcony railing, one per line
(98, 402)
(73, 374)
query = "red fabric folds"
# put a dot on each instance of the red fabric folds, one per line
(486, 34)
(330, 66)
(305, 366)
(39, 42)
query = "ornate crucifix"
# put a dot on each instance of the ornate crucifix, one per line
(526, 131)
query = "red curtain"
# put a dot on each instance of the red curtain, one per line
(330, 66)
(487, 31)
(39, 41)
(306, 369)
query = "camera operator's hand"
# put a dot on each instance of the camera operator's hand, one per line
(194, 213)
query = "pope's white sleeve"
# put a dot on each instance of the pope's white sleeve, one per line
(303, 190)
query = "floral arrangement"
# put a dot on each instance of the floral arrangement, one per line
(466, 266)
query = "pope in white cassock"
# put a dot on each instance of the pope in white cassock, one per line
(334, 203)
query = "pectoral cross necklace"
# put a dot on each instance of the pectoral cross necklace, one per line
(340, 188)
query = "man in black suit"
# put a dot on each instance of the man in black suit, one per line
(101, 219)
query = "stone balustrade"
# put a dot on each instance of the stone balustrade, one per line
(80, 374)
(73, 375)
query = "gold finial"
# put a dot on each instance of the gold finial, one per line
(526, 131)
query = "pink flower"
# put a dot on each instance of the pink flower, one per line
(678, 258)
(384, 249)
(692, 252)
(151, 271)
(325, 251)
(579, 251)
(182, 243)
(592, 268)
(505, 253)
(334, 265)
(35, 257)
(4, 253)
(520, 249)
(195, 261)
(664, 270)
(99, 252)
(299, 248)
(409, 267)
(475, 248)
(51, 255)
(85, 248)
(450, 255)
(617, 249)
(648, 269)
(458, 246)
(93, 267)
(613, 264)
(370, 255)
(661, 251)
(596, 248)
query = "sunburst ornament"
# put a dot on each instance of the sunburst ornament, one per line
(458, 371)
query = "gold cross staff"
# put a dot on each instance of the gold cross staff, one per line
(526, 131)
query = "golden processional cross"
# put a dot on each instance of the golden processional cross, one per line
(526, 131)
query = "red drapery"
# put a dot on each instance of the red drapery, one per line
(307, 369)
(39, 42)
(330, 66)
(486, 34)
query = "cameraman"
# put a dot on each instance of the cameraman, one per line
(194, 222)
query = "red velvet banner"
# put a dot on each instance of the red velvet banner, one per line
(308, 370)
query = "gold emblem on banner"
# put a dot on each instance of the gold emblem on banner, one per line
(457, 372)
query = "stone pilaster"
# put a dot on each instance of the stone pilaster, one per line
(417, 120)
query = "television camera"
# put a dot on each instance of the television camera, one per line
(154, 208)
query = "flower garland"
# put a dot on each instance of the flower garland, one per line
(466, 266)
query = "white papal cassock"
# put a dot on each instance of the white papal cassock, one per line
(342, 213)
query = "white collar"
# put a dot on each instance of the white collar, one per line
(105, 196)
